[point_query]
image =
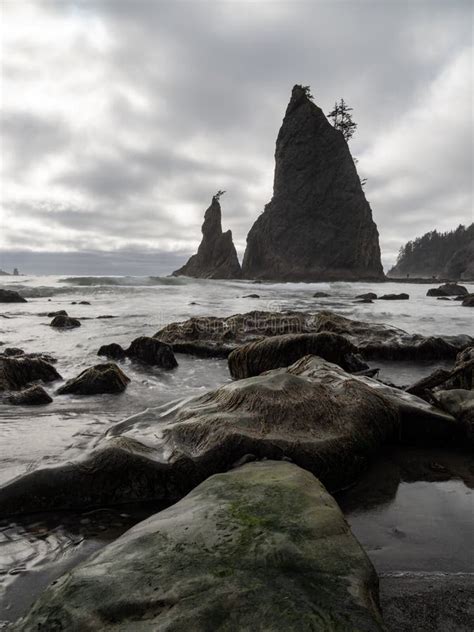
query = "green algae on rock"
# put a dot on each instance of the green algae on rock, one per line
(263, 547)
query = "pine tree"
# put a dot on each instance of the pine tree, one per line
(342, 119)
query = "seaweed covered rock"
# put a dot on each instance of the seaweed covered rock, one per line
(18, 372)
(101, 378)
(218, 336)
(33, 396)
(281, 351)
(323, 419)
(448, 289)
(152, 351)
(318, 224)
(64, 322)
(216, 257)
(267, 548)
(10, 296)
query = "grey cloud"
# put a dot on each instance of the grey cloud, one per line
(212, 81)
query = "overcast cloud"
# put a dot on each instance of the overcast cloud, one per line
(120, 118)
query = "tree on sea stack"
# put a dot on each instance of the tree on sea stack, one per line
(342, 119)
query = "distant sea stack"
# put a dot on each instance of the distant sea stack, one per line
(448, 255)
(216, 257)
(318, 225)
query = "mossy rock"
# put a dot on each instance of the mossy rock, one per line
(261, 548)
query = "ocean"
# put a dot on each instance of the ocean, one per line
(32, 553)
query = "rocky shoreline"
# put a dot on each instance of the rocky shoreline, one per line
(304, 407)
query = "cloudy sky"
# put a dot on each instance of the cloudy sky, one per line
(121, 118)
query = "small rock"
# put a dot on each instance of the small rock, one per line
(367, 295)
(106, 316)
(395, 297)
(251, 296)
(12, 352)
(468, 301)
(443, 298)
(33, 396)
(364, 300)
(84, 303)
(64, 322)
(9, 296)
(152, 351)
(320, 295)
(112, 350)
(102, 378)
(448, 289)
(61, 312)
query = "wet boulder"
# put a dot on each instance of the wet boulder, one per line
(33, 396)
(281, 351)
(395, 297)
(251, 296)
(313, 413)
(101, 378)
(267, 548)
(461, 376)
(460, 404)
(468, 301)
(448, 289)
(9, 296)
(112, 350)
(153, 352)
(16, 373)
(65, 322)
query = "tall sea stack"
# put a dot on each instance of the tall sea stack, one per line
(318, 225)
(216, 257)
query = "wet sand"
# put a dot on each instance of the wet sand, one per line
(413, 512)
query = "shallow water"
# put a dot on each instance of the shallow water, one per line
(394, 531)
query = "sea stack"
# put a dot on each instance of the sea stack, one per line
(216, 257)
(318, 225)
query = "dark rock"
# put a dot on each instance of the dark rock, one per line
(468, 301)
(9, 296)
(60, 312)
(318, 224)
(18, 372)
(321, 295)
(65, 322)
(106, 316)
(84, 303)
(364, 300)
(33, 396)
(216, 257)
(13, 352)
(325, 420)
(152, 351)
(267, 548)
(281, 351)
(112, 350)
(461, 376)
(251, 296)
(448, 289)
(460, 404)
(217, 337)
(443, 298)
(368, 295)
(395, 297)
(101, 378)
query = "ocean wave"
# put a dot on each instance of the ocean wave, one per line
(127, 281)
